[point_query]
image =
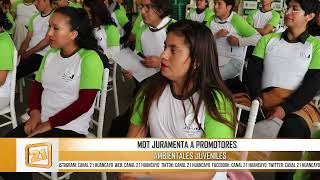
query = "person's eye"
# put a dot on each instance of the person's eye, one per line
(296, 9)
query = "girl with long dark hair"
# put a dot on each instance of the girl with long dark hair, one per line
(188, 99)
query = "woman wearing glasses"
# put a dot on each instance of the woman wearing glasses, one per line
(188, 99)
(284, 72)
(151, 36)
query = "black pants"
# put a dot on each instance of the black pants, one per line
(293, 127)
(19, 132)
(29, 65)
(235, 85)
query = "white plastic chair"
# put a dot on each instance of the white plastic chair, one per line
(11, 107)
(100, 105)
(113, 87)
(243, 63)
(111, 52)
(253, 111)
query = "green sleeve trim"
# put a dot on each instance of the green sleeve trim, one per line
(315, 61)
(91, 70)
(208, 23)
(192, 10)
(208, 14)
(74, 5)
(7, 46)
(137, 24)
(11, 20)
(30, 24)
(136, 117)
(138, 45)
(241, 26)
(214, 128)
(275, 20)
(43, 62)
(250, 17)
(121, 17)
(260, 48)
(113, 36)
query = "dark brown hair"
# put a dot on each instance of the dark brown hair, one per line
(203, 74)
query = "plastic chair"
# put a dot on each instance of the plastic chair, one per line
(11, 107)
(253, 111)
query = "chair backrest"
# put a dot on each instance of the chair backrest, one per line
(253, 111)
(243, 65)
(100, 103)
(13, 87)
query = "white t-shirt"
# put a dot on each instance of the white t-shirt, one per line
(39, 26)
(165, 117)
(62, 78)
(153, 42)
(24, 13)
(261, 19)
(226, 52)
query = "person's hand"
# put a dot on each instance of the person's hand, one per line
(277, 112)
(21, 51)
(221, 33)
(32, 123)
(152, 61)
(242, 98)
(42, 128)
(233, 41)
(25, 54)
(127, 74)
(133, 176)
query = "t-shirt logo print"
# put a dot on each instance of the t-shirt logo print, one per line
(68, 75)
(191, 127)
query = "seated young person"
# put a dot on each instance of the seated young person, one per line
(67, 82)
(202, 13)
(284, 73)
(187, 99)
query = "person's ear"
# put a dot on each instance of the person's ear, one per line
(229, 8)
(74, 34)
(310, 16)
